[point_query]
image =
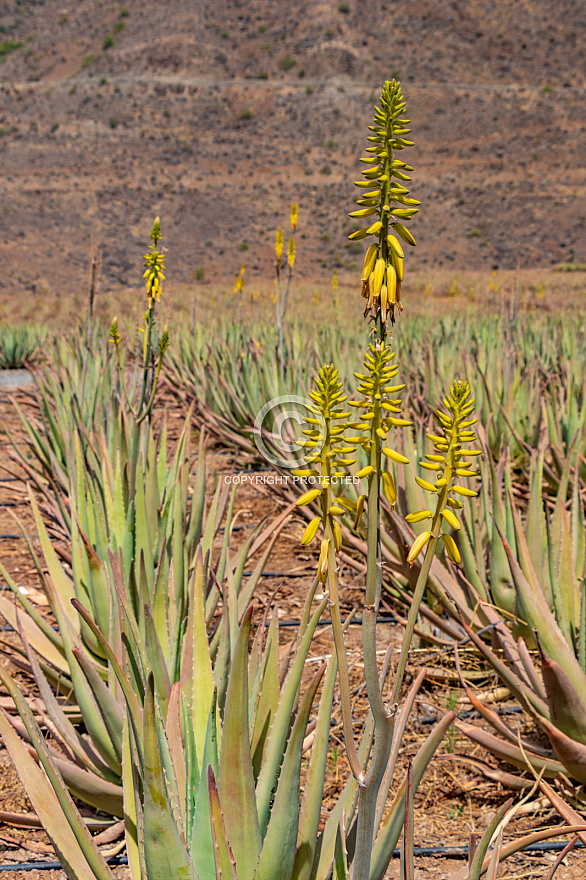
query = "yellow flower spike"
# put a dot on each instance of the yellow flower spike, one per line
(311, 531)
(451, 548)
(291, 252)
(294, 215)
(419, 516)
(395, 456)
(279, 245)
(115, 337)
(389, 488)
(451, 519)
(418, 545)
(312, 494)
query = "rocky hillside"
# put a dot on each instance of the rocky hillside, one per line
(216, 115)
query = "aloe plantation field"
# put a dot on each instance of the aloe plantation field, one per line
(292, 443)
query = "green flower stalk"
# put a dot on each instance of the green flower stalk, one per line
(153, 351)
(388, 207)
(380, 412)
(449, 461)
(282, 286)
(327, 462)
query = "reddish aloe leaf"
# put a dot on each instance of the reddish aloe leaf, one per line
(278, 852)
(235, 778)
(564, 809)
(225, 864)
(567, 708)
(508, 752)
(572, 754)
(164, 848)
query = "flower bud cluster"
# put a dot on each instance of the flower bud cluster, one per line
(154, 265)
(381, 412)
(448, 461)
(387, 205)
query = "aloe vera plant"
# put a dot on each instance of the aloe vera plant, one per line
(211, 767)
(134, 526)
(536, 566)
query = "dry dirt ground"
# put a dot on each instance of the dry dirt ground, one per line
(216, 115)
(451, 802)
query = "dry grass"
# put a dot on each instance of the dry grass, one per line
(438, 291)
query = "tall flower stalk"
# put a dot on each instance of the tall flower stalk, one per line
(153, 348)
(284, 273)
(377, 412)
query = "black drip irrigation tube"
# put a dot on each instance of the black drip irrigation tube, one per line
(452, 852)
(356, 621)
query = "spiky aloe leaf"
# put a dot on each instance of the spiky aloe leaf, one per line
(225, 864)
(536, 612)
(278, 851)
(566, 706)
(79, 747)
(35, 636)
(131, 805)
(510, 753)
(165, 854)
(111, 711)
(268, 697)
(236, 779)
(314, 784)
(79, 855)
(201, 843)
(197, 683)
(129, 695)
(157, 661)
(267, 780)
(340, 852)
(572, 754)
